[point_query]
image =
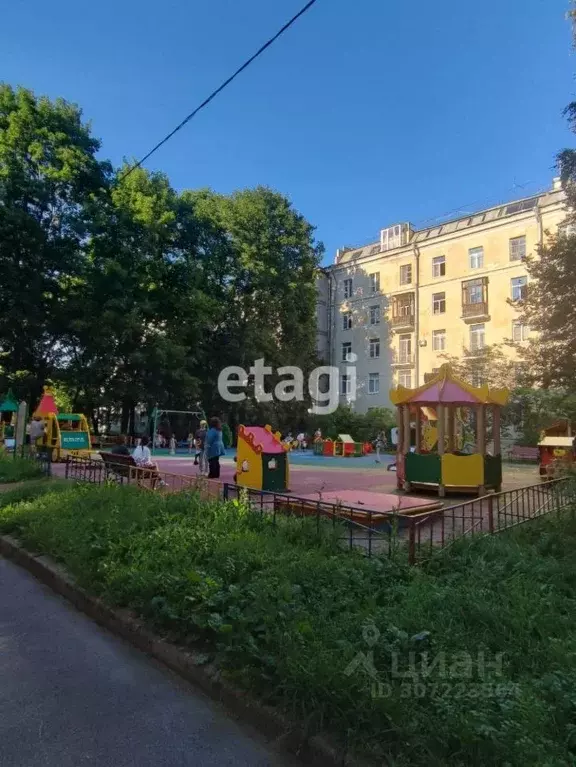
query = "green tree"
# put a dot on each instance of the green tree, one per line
(549, 307)
(49, 174)
(260, 268)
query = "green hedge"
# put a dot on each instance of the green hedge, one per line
(285, 613)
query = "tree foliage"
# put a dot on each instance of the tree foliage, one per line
(549, 307)
(125, 292)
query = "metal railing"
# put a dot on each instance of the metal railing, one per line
(487, 515)
(475, 309)
(97, 472)
(41, 456)
(375, 533)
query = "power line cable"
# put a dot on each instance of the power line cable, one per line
(220, 88)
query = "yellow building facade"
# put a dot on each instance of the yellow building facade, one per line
(394, 308)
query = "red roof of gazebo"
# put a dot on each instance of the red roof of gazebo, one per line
(445, 388)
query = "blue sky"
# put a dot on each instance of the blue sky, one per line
(365, 113)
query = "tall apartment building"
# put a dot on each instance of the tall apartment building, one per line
(394, 307)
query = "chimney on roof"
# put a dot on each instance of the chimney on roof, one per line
(556, 184)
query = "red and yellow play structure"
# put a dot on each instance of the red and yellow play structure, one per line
(64, 433)
(445, 466)
(556, 449)
(343, 446)
(261, 459)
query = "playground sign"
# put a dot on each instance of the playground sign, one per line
(75, 440)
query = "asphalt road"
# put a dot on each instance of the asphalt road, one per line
(71, 694)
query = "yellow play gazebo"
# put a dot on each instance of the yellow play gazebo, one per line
(445, 467)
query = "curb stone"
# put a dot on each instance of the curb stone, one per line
(284, 733)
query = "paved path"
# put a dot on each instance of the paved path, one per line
(71, 694)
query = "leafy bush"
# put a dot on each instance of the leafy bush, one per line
(18, 469)
(289, 615)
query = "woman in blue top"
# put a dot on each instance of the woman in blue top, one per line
(214, 447)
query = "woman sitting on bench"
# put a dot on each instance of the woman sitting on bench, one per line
(142, 455)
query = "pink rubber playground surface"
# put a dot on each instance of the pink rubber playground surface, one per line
(375, 489)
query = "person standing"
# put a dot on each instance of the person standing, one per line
(214, 448)
(380, 444)
(37, 429)
(200, 442)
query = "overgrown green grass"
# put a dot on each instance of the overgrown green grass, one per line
(18, 469)
(285, 614)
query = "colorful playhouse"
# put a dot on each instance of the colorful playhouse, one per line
(8, 418)
(445, 466)
(261, 459)
(66, 433)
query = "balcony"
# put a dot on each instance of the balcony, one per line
(473, 312)
(403, 321)
(403, 360)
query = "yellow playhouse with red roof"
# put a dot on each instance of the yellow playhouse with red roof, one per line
(261, 459)
(447, 467)
(65, 433)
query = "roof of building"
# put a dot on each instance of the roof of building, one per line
(262, 439)
(556, 442)
(9, 405)
(445, 388)
(47, 405)
(457, 224)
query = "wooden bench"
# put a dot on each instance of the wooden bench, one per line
(518, 453)
(120, 466)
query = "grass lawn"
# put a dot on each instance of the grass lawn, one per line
(18, 469)
(285, 614)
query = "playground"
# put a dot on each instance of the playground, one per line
(313, 474)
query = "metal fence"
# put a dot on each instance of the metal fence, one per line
(375, 533)
(487, 515)
(417, 535)
(41, 456)
(98, 472)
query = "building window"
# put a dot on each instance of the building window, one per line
(346, 351)
(438, 303)
(403, 306)
(439, 266)
(375, 282)
(520, 331)
(476, 258)
(476, 337)
(473, 292)
(405, 378)
(477, 379)
(518, 287)
(405, 349)
(438, 340)
(374, 348)
(346, 320)
(348, 288)
(406, 274)
(374, 315)
(345, 385)
(374, 383)
(517, 248)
